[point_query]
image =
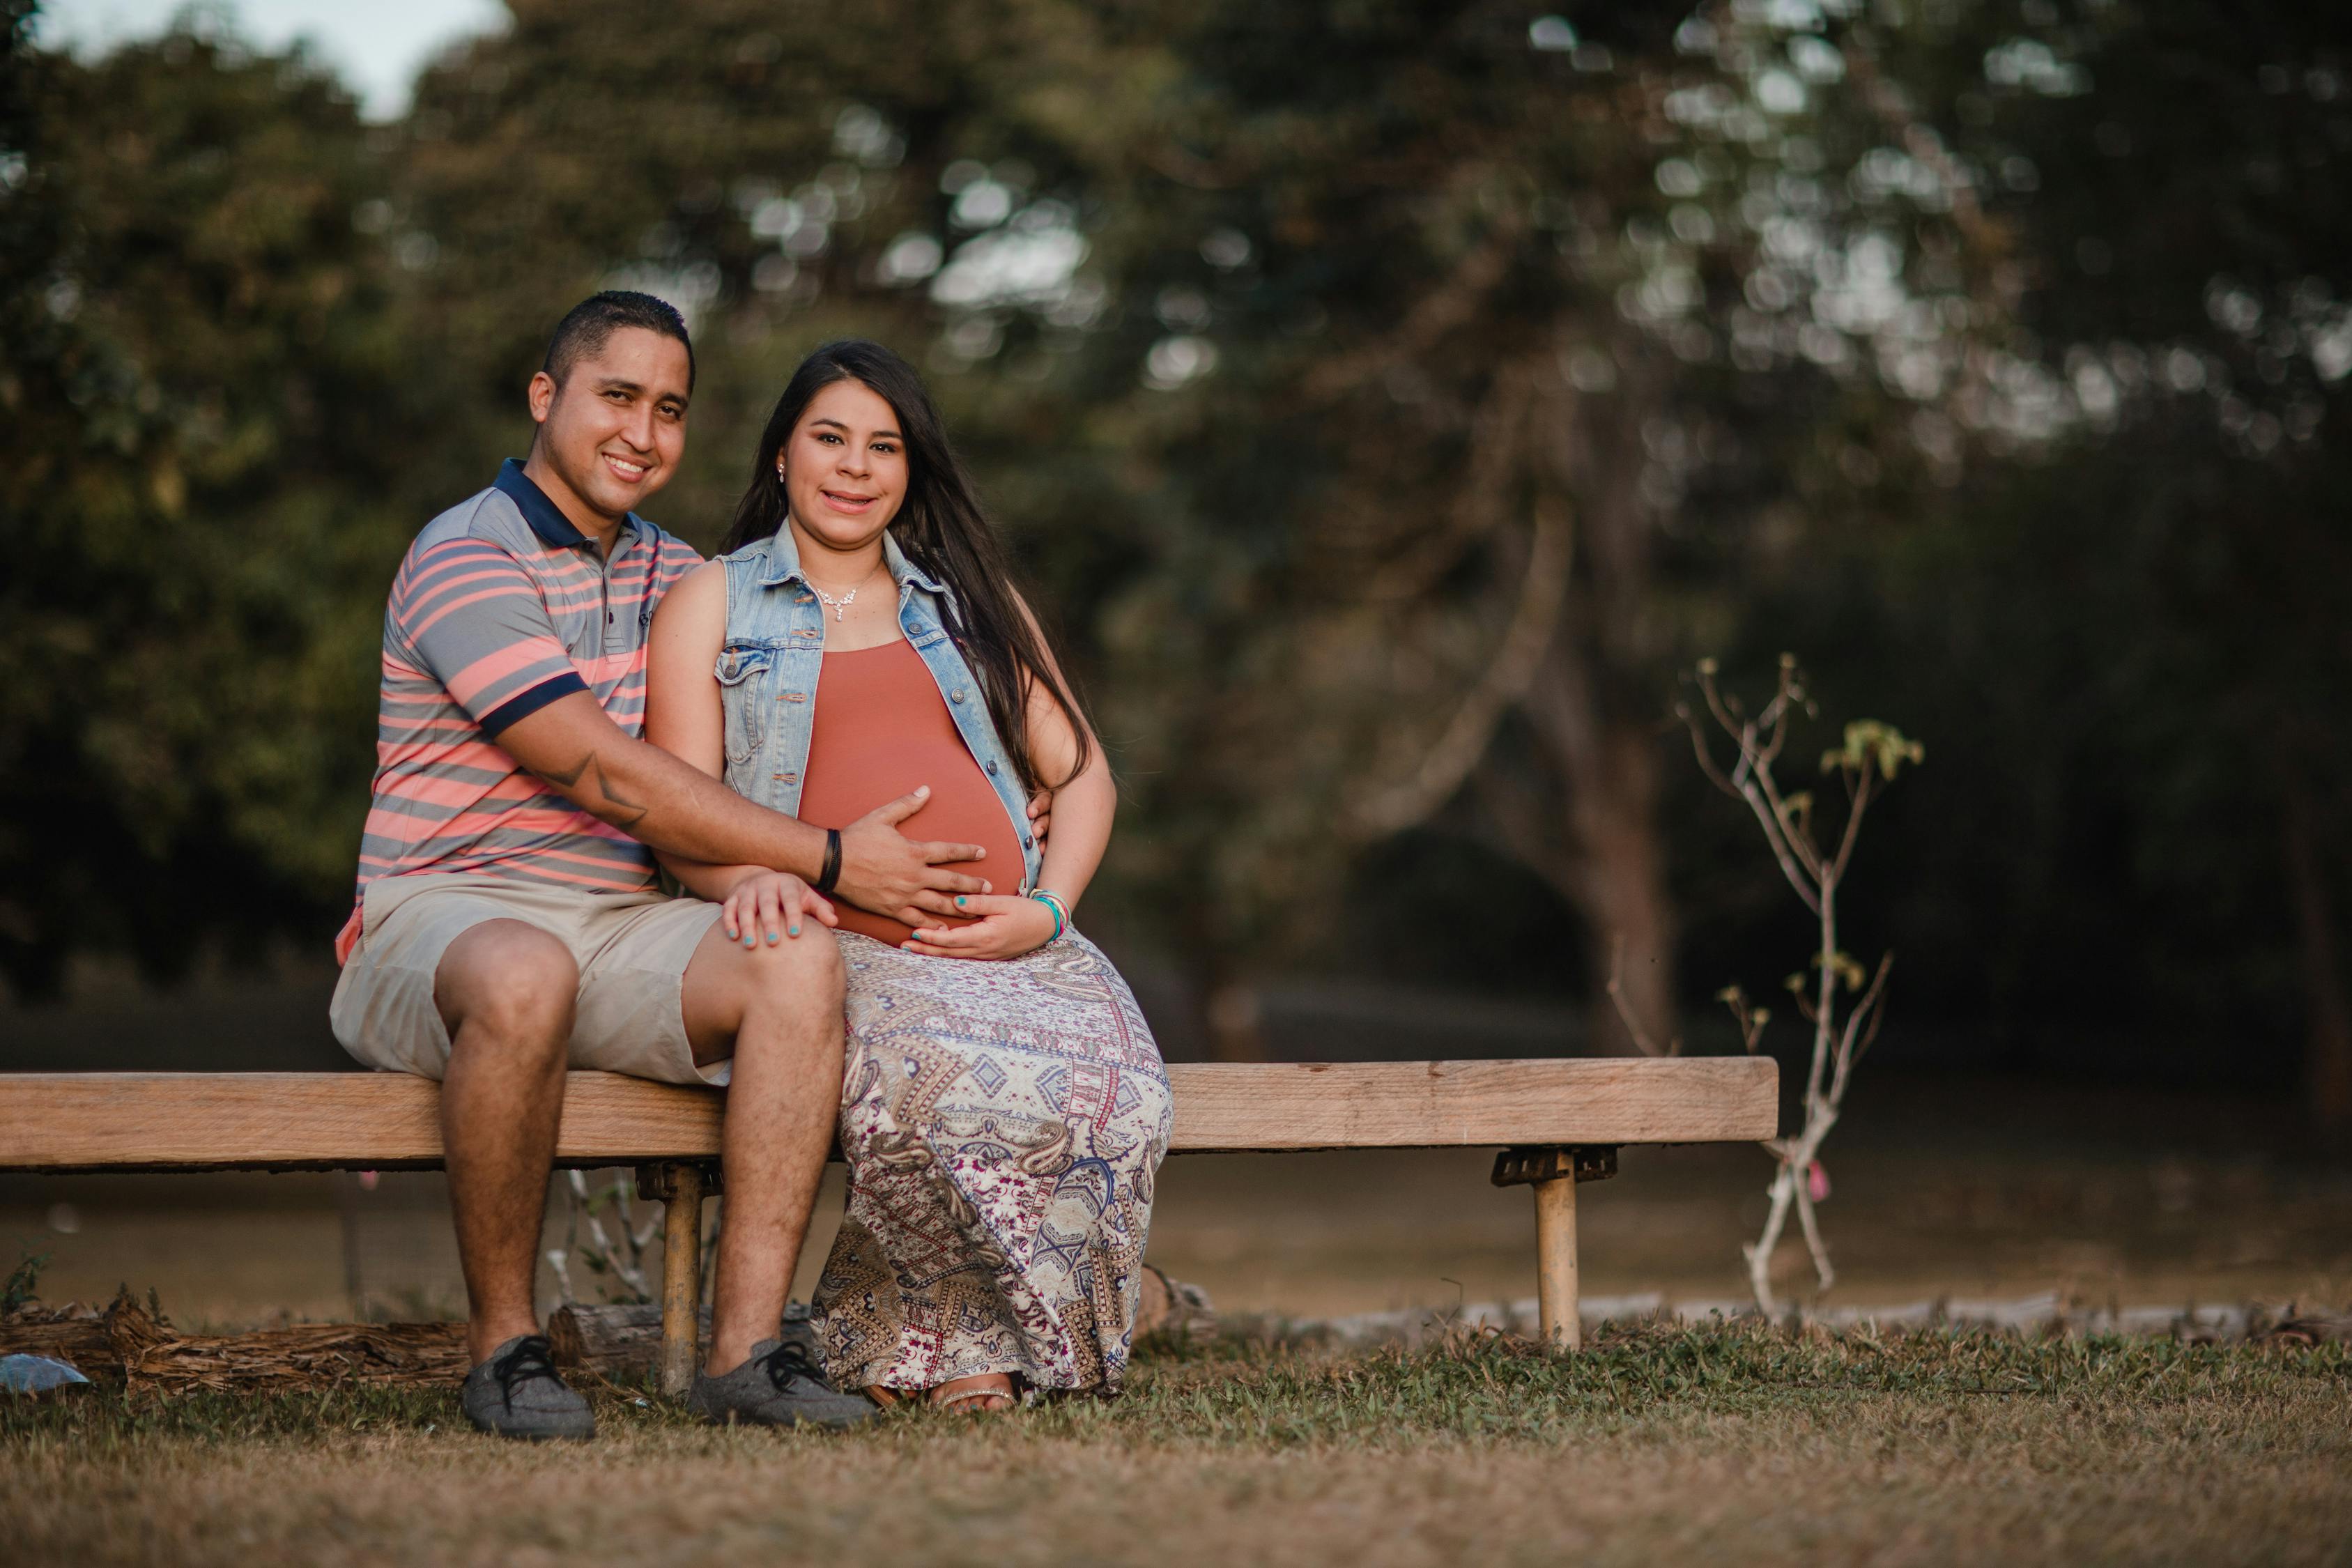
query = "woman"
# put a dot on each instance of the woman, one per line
(1003, 1108)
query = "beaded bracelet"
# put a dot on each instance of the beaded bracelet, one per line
(1053, 901)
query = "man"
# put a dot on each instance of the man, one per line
(508, 925)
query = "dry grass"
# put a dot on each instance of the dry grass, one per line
(1658, 1444)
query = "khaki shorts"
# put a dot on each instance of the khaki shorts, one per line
(632, 949)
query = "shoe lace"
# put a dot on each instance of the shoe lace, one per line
(790, 1359)
(534, 1357)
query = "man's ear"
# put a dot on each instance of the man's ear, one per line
(542, 395)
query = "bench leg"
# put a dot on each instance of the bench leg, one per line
(1553, 1173)
(1555, 1304)
(680, 1188)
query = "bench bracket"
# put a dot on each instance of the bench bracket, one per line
(1524, 1167)
(1553, 1172)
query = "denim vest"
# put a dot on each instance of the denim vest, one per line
(768, 675)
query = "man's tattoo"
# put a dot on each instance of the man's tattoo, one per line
(629, 813)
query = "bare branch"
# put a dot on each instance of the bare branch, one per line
(1860, 804)
(1705, 759)
(1799, 845)
(1790, 866)
(1812, 1229)
(1772, 726)
(1742, 782)
(1857, 1039)
(1497, 438)
(1468, 733)
(1750, 1019)
(1732, 724)
(1759, 1252)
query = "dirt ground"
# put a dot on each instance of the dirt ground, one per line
(1655, 1445)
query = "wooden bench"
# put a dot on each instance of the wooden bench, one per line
(1557, 1122)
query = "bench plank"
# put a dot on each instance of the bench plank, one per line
(193, 1121)
(1272, 1106)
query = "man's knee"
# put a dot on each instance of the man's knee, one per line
(805, 970)
(510, 981)
(799, 977)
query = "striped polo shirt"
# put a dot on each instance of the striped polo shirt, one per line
(500, 608)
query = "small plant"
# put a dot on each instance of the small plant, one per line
(1872, 755)
(622, 1263)
(24, 1279)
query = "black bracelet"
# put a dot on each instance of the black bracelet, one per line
(832, 872)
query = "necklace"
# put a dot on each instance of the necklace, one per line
(837, 606)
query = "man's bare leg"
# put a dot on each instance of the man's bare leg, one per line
(506, 990)
(778, 1011)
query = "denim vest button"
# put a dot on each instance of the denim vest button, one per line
(992, 770)
(957, 695)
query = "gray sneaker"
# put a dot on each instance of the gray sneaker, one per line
(516, 1394)
(779, 1386)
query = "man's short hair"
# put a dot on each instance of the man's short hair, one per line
(587, 325)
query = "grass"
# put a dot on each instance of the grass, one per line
(1657, 1444)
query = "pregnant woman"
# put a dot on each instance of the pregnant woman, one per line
(1004, 1109)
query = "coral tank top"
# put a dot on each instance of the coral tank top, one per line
(881, 728)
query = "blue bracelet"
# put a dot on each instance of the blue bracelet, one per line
(1061, 915)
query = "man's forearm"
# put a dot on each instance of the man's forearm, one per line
(658, 800)
(705, 881)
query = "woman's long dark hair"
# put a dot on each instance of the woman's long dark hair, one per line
(942, 529)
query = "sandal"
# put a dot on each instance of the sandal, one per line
(884, 1398)
(978, 1401)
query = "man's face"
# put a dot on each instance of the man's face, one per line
(614, 432)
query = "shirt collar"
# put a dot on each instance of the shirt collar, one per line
(547, 518)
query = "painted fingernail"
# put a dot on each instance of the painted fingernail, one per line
(774, 938)
(796, 931)
(958, 900)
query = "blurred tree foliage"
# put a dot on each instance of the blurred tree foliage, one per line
(1388, 397)
(210, 408)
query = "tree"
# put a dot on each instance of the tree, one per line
(204, 380)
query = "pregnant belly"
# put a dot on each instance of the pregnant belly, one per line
(844, 783)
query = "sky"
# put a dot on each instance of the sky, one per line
(376, 46)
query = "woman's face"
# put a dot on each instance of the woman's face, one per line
(845, 467)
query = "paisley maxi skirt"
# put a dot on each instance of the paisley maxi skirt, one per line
(1003, 1125)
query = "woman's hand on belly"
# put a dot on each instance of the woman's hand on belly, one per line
(1004, 927)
